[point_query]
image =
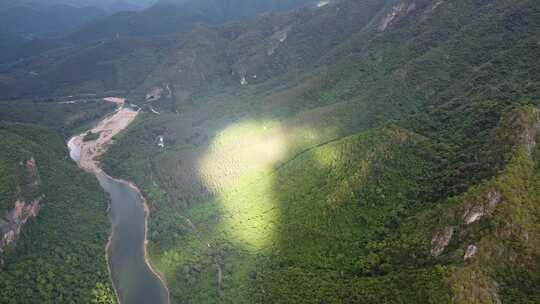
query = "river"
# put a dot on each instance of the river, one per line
(133, 278)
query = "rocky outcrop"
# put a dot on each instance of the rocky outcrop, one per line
(10, 228)
(323, 3)
(476, 210)
(402, 8)
(428, 12)
(440, 241)
(530, 133)
(14, 220)
(470, 252)
(277, 39)
(504, 204)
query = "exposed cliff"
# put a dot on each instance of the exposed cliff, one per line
(11, 227)
(491, 231)
(13, 222)
(53, 222)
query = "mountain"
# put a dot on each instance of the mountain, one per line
(43, 201)
(57, 71)
(124, 6)
(108, 5)
(35, 20)
(177, 17)
(358, 151)
(363, 152)
(10, 45)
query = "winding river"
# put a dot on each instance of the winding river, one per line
(134, 280)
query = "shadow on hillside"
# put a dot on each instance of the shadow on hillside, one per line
(275, 210)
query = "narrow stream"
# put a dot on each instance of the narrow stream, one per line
(134, 280)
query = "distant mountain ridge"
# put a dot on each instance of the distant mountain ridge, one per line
(171, 16)
(369, 151)
(74, 24)
(43, 20)
(107, 5)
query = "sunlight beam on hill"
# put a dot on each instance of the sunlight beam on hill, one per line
(243, 157)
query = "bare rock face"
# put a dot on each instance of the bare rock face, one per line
(15, 220)
(12, 223)
(477, 210)
(529, 134)
(399, 10)
(277, 39)
(429, 11)
(470, 252)
(440, 241)
(471, 282)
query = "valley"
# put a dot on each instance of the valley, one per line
(348, 151)
(68, 262)
(134, 279)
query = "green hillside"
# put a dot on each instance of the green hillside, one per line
(363, 151)
(65, 117)
(45, 20)
(495, 223)
(172, 17)
(326, 226)
(294, 187)
(59, 256)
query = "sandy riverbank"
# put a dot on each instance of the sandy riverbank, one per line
(107, 129)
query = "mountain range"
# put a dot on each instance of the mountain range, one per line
(353, 151)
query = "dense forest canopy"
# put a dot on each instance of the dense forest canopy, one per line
(352, 151)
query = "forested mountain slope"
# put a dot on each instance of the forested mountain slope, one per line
(53, 227)
(115, 53)
(53, 221)
(492, 229)
(177, 17)
(108, 5)
(45, 20)
(311, 158)
(362, 151)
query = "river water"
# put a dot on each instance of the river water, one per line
(134, 281)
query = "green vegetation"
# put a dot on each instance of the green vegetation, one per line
(67, 119)
(38, 20)
(59, 256)
(181, 17)
(499, 217)
(90, 136)
(322, 156)
(325, 177)
(301, 224)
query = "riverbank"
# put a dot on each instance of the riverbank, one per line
(87, 152)
(147, 260)
(106, 129)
